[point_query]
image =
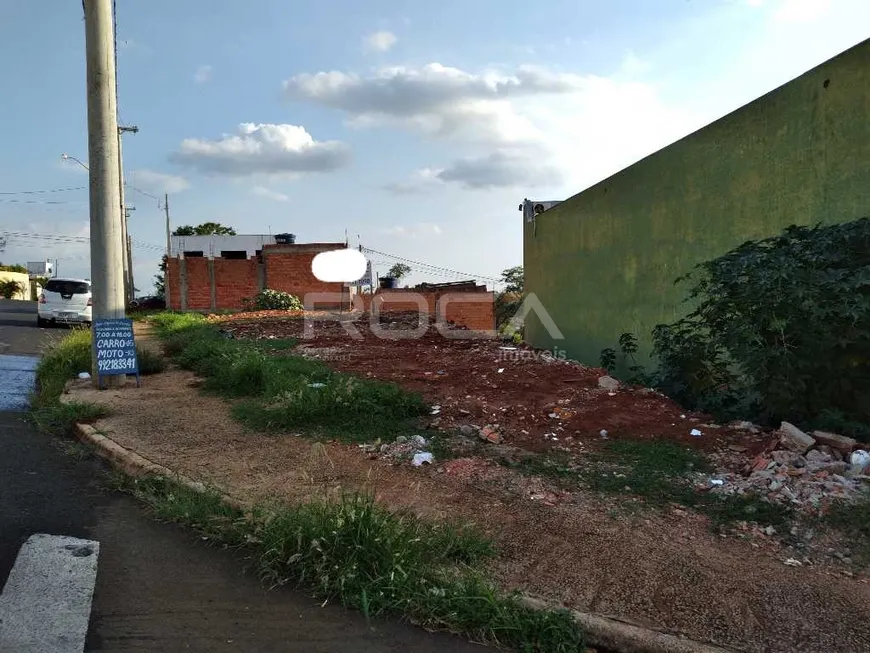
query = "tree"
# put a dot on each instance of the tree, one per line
(205, 229)
(509, 300)
(514, 280)
(398, 271)
(9, 288)
(13, 268)
(160, 278)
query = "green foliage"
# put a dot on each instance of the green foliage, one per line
(58, 418)
(160, 278)
(9, 288)
(150, 362)
(62, 362)
(273, 300)
(659, 472)
(14, 268)
(399, 270)
(284, 392)
(514, 280)
(204, 229)
(852, 518)
(509, 300)
(609, 360)
(780, 328)
(383, 563)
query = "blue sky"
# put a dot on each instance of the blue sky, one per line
(418, 126)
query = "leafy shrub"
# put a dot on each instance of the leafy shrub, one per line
(780, 328)
(274, 300)
(9, 288)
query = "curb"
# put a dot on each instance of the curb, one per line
(132, 464)
(603, 632)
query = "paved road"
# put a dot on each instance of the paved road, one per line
(158, 587)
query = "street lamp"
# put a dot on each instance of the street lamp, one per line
(128, 254)
(67, 157)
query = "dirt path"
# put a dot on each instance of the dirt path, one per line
(665, 571)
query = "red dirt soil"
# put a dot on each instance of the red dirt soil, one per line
(538, 401)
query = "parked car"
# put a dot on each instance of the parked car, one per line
(65, 301)
(150, 302)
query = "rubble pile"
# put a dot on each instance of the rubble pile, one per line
(809, 472)
(402, 448)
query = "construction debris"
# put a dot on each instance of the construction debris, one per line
(608, 383)
(809, 479)
(791, 437)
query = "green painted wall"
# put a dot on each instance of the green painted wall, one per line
(604, 261)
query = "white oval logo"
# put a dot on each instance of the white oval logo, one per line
(341, 265)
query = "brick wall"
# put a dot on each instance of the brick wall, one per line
(478, 315)
(235, 281)
(288, 269)
(198, 284)
(173, 287)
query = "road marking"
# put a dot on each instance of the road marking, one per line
(46, 603)
(17, 374)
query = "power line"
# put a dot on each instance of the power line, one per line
(40, 192)
(142, 192)
(433, 268)
(16, 201)
(62, 238)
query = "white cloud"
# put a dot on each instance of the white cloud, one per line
(534, 128)
(440, 100)
(159, 182)
(379, 41)
(502, 170)
(418, 230)
(421, 181)
(262, 149)
(203, 74)
(270, 194)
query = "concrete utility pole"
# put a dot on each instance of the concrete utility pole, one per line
(107, 251)
(168, 251)
(125, 238)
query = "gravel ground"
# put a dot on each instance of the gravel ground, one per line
(667, 571)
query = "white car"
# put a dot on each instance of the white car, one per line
(65, 301)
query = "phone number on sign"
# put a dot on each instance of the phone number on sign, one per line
(115, 365)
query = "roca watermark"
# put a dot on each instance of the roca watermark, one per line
(421, 303)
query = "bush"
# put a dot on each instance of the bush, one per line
(287, 392)
(150, 362)
(274, 300)
(9, 288)
(780, 329)
(362, 556)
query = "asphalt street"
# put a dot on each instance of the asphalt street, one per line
(157, 587)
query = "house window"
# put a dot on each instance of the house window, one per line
(193, 254)
(234, 254)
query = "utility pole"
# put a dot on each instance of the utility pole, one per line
(107, 256)
(166, 293)
(125, 238)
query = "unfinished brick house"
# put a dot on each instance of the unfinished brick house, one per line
(210, 273)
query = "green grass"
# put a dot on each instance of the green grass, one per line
(385, 564)
(659, 472)
(853, 520)
(63, 361)
(287, 393)
(150, 362)
(58, 418)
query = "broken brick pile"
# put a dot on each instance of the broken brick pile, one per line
(808, 472)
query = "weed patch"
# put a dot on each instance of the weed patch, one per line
(287, 392)
(59, 418)
(853, 520)
(380, 562)
(150, 362)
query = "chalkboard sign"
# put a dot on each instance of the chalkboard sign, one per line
(116, 348)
